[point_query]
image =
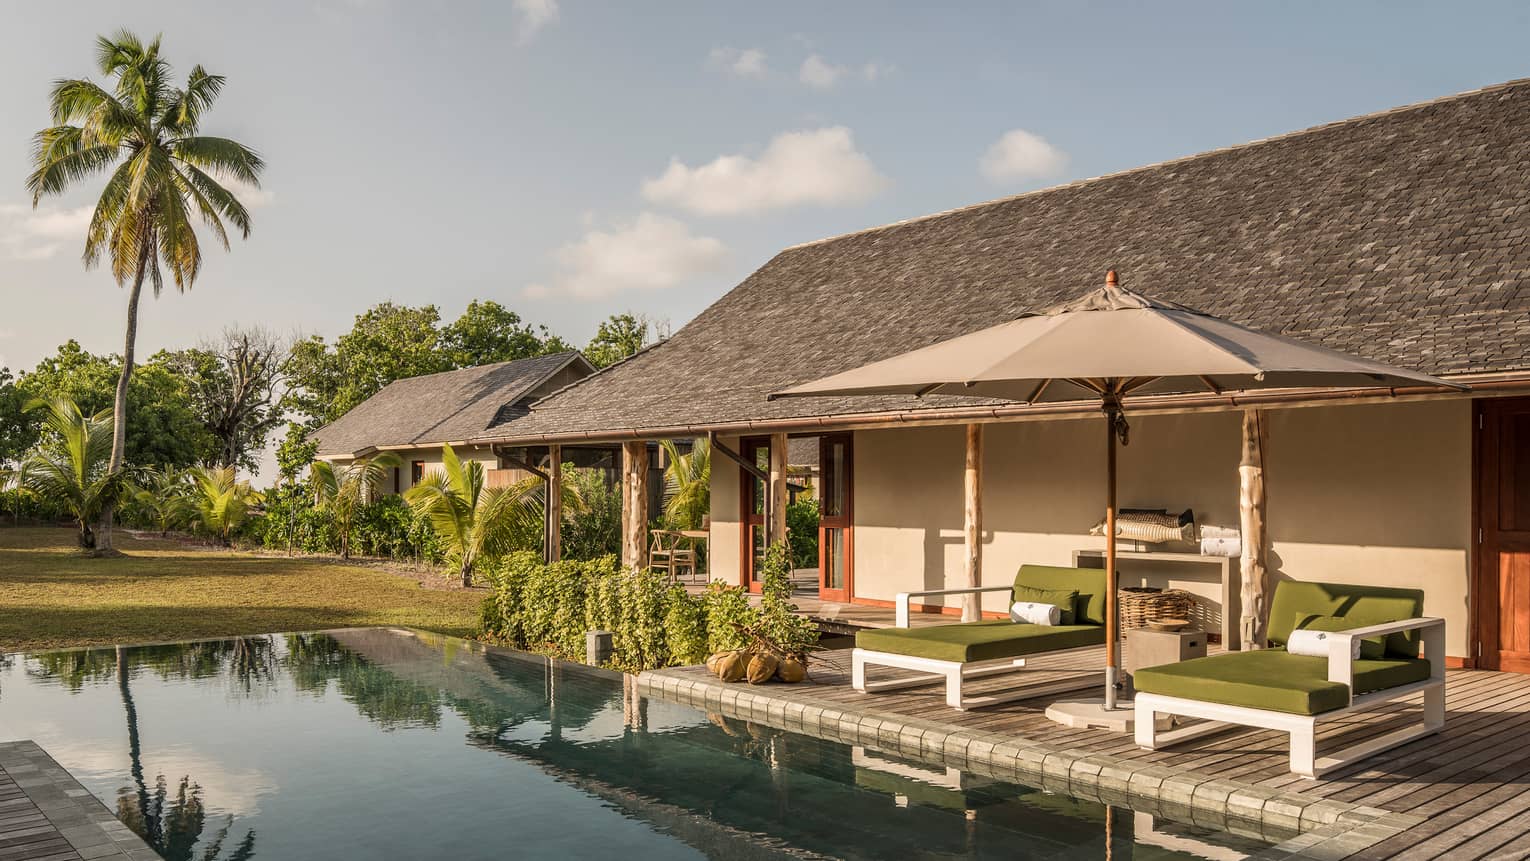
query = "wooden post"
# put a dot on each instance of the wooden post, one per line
(777, 489)
(972, 522)
(1254, 590)
(554, 503)
(635, 505)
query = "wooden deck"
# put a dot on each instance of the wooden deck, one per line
(46, 815)
(1471, 783)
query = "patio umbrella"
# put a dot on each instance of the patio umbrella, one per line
(1107, 345)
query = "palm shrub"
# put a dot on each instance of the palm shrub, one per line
(594, 529)
(687, 484)
(526, 528)
(163, 501)
(164, 175)
(222, 501)
(342, 491)
(471, 519)
(70, 465)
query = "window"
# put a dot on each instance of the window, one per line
(416, 472)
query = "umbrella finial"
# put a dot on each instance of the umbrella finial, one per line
(1111, 280)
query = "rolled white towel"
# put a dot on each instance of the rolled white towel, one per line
(1315, 644)
(1034, 614)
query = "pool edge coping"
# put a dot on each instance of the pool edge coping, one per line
(1325, 829)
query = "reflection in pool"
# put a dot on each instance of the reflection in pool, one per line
(385, 743)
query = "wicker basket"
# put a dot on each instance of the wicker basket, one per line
(1140, 606)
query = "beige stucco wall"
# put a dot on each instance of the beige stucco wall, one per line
(725, 542)
(1365, 494)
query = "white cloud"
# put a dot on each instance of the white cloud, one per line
(253, 197)
(820, 74)
(821, 167)
(746, 63)
(38, 234)
(652, 252)
(1021, 155)
(531, 16)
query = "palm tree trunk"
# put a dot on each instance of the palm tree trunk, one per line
(467, 574)
(119, 403)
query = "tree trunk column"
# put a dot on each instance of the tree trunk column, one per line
(635, 505)
(777, 490)
(1253, 588)
(554, 503)
(972, 522)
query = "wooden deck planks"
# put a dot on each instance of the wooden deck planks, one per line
(25, 833)
(1471, 781)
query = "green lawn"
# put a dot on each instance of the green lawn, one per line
(52, 597)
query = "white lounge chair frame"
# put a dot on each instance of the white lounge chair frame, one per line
(954, 673)
(1303, 728)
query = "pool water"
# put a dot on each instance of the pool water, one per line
(388, 743)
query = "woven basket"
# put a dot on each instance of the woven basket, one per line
(1138, 607)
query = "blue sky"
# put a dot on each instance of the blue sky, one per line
(574, 159)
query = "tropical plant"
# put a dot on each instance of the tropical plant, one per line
(164, 173)
(341, 491)
(69, 465)
(802, 516)
(164, 500)
(222, 500)
(687, 484)
(472, 520)
(592, 527)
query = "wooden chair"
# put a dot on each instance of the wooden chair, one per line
(672, 553)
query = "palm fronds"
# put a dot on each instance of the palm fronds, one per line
(687, 484)
(69, 465)
(342, 490)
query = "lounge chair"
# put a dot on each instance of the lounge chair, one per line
(1273, 689)
(958, 652)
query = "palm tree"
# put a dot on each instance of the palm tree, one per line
(69, 466)
(165, 500)
(342, 491)
(687, 484)
(163, 174)
(471, 518)
(221, 500)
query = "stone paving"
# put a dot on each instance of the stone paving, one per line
(48, 816)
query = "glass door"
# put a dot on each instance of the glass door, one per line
(752, 504)
(835, 512)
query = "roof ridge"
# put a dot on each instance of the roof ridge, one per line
(598, 371)
(1413, 106)
(484, 367)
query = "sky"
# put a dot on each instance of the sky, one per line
(575, 159)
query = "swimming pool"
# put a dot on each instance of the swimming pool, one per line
(388, 743)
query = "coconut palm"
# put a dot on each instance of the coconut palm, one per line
(472, 519)
(163, 174)
(343, 490)
(687, 484)
(221, 500)
(69, 466)
(165, 499)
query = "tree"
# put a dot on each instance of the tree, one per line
(343, 490)
(618, 337)
(70, 465)
(164, 500)
(234, 384)
(687, 484)
(388, 342)
(221, 500)
(16, 431)
(163, 425)
(488, 332)
(471, 518)
(164, 174)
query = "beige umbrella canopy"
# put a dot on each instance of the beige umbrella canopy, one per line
(1107, 345)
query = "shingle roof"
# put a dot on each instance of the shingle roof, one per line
(1402, 236)
(451, 406)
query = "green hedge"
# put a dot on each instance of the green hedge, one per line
(548, 608)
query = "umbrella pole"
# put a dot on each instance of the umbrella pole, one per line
(1112, 651)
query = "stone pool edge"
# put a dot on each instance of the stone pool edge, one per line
(1324, 828)
(73, 812)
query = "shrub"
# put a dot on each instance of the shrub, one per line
(727, 609)
(595, 531)
(685, 627)
(802, 523)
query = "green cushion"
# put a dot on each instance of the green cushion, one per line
(1273, 680)
(1088, 582)
(979, 641)
(1371, 648)
(1362, 605)
(1065, 601)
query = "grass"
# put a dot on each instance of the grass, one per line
(53, 597)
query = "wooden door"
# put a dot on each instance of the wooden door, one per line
(1502, 586)
(752, 501)
(836, 507)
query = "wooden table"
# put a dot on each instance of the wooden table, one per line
(1226, 567)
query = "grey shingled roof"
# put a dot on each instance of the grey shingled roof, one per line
(1401, 236)
(452, 406)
